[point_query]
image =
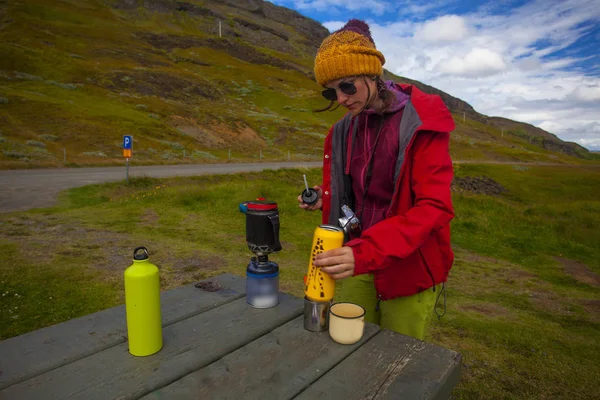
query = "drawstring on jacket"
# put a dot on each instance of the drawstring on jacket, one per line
(438, 299)
(378, 301)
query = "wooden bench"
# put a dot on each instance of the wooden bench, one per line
(217, 347)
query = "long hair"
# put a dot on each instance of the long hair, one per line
(386, 96)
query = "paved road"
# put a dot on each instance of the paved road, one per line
(33, 188)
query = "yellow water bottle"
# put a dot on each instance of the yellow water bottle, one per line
(320, 286)
(142, 304)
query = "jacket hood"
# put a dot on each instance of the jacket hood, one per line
(432, 111)
(400, 101)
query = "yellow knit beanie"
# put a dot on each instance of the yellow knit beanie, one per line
(347, 52)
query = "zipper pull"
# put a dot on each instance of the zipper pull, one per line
(377, 306)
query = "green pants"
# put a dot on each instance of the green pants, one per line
(408, 315)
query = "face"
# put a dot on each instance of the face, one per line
(352, 92)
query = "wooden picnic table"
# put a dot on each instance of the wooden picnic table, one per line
(217, 347)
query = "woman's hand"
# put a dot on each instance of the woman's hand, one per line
(337, 263)
(317, 205)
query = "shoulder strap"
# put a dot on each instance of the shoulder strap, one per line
(341, 184)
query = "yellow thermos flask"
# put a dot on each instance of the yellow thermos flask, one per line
(142, 305)
(319, 286)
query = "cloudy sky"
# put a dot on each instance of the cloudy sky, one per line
(531, 61)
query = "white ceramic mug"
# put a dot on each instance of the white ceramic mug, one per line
(346, 322)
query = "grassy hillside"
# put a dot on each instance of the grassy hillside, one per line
(77, 75)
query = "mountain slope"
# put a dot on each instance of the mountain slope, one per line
(195, 81)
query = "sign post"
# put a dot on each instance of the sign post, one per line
(127, 153)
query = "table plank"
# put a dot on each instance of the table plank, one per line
(34, 353)
(189, 345)
(278, 365)
(432, 374)
(390, 366)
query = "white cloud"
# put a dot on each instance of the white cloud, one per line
(500, 64)
(586, 133)
(448, 28)
(550, 126)
(529, 64)
(477, 62)
(333, 26)
(501, 60)
(585, 93)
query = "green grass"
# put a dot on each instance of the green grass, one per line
(86, 44)
(526, 325)
(548, 212)
(520, 336)
(48, 288)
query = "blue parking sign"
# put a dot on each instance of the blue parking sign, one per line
(127, 142)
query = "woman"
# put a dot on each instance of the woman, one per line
(387, 160)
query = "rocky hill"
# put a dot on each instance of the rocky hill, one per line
(191, 81)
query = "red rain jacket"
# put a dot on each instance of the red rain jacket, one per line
(409, 251)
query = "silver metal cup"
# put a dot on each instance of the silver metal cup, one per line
(316, 315)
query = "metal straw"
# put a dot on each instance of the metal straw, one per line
(305, 183)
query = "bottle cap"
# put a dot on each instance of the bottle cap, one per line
(310, 196)
(140, 256)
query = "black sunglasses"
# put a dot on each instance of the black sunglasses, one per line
(347, 88)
